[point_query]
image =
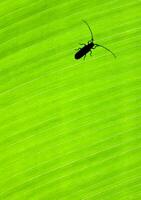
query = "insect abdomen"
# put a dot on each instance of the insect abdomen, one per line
(82, 52)
(79, 55)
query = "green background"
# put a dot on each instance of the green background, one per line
(70, 129)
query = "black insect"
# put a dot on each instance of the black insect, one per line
(88, 47)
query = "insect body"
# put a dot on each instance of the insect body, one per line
(84, 50)
(88, 47)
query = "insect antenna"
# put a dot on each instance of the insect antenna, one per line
(98, 45)
(92, 38)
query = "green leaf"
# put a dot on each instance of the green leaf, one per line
(70, 129)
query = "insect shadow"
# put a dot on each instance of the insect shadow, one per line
(81, 52)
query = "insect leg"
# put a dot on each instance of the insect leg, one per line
(90, 53)
(82, 44)
(84, 57)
